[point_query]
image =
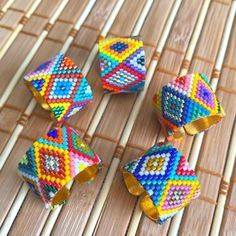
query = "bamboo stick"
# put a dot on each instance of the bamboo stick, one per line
(24, 189)
(162, 138)
(105, 100)
(129, 125)
(134, 222)
(136, 133)
(189, 54)
(67, 211)
(12, 140)
(19, 128)
(5, 7)
(53, 216)
(19, 27)
(219, 212)
(21, 69)
(83, 28)
(22, 194)
(14, 210)
(175, 224)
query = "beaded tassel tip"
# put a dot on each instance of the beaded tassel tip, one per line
(55, 159)
(60, 87)
(122, 64)
(187, 105)
(165, 179)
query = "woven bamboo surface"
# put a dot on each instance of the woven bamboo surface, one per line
(180, 36)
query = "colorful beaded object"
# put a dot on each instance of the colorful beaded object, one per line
(187, 102)
(55, 159)
(122, 64)
(59, 86)
(166, 178)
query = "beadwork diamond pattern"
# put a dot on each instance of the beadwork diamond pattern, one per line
(185, 100)
(53, 160)
(62, 85)
(167, 178)
(122, 64)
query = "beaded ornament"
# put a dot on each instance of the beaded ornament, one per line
(122, 64)
(55, 159)
(59, 86)
(187, 102)
(166, 178)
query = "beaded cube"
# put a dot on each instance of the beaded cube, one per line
(122, 65)
(59, 86)
(166, 178)
(55, 159)
(187, 104)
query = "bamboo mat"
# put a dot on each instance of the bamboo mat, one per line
(180, 36)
